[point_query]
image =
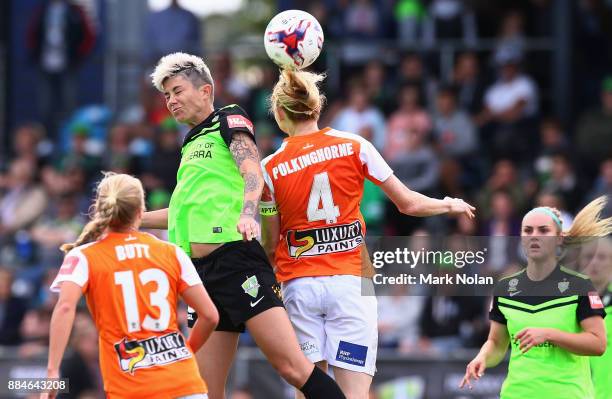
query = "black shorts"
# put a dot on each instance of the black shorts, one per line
(240, 281)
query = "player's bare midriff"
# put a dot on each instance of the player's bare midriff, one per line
(200, 250)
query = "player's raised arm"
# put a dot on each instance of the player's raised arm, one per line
(246, 155)
(413, 203)
(155, 219)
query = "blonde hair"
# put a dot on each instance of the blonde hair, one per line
(191, 66)
(587, 223)
(119, 198)
(297, 93)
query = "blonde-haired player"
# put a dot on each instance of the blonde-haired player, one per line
(549, 315)
(132, 282)
(314, 231)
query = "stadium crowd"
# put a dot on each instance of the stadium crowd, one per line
(485, 133)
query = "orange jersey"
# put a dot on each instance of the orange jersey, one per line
(132, 284)
(315, 182)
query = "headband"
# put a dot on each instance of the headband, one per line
(549, 213)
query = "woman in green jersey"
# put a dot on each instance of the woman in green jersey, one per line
(551, 316)
(596, 261)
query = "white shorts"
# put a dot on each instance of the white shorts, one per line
(334, 321)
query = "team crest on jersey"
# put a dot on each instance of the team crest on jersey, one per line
(154, 351)
(325, 240)
(512, 284)
(251, 286)
(563, 285)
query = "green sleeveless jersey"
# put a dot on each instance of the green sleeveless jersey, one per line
(561, 301)
(209, 193)
(601, 366)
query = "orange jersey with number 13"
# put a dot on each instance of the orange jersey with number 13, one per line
(315, 182)
(132, 283)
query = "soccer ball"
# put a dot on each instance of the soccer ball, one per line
(293, 39)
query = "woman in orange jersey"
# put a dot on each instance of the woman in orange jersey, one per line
(132, 282)
(314, 231)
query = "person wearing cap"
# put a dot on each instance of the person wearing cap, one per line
(594, 130)
(550, 315)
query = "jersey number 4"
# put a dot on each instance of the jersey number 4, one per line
(320, 193)
(158, 298)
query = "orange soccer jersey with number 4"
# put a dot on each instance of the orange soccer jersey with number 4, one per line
(315, 182)
(132, 283)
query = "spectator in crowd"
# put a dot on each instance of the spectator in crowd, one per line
(170, 30)
(449, 19)
(361, 117)
(24, 200)
(60, 37)
(34, 331)
(362, 20)
(79, 156)
(455, 137)
(504, 177)
(510, 106)
(594, 130)
(553, 140)
(592, 54)
(418, 168)
(468, 79)
(29, 142)
(160, 174)
(448, 322)
(409, 119)
(603, 186)
(228, 88)
(409, 15)
(564, 181)
(12, 309)
(377, 85)
(397, 328)
(503, 221)
(511, 37)
(553, 200)
(411, 71)
(61, 223)
(501, 226)
(118, 156)
(81, 367)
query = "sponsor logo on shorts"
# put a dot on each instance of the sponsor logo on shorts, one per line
(309, 347)
(154, 351)
(326, 240)
(352, 353)
(253, 304)
(251, 286)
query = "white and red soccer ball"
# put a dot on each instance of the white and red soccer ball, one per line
(293, 39)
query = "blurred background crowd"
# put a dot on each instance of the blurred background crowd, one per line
(507, 104)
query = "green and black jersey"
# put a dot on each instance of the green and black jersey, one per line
(208, 197)
(601, 366)
(561, 301)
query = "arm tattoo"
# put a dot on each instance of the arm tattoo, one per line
(249, 208)
(251, 182)
(243, 148)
